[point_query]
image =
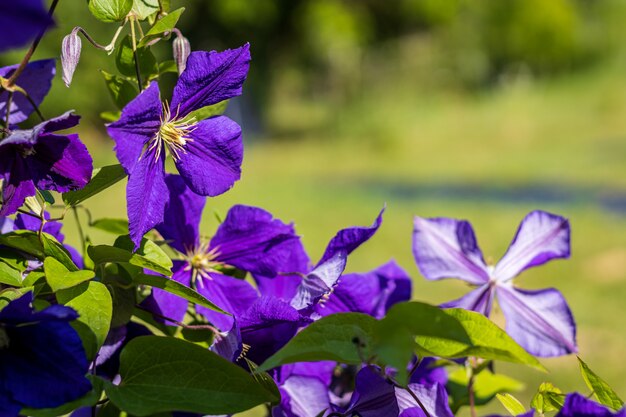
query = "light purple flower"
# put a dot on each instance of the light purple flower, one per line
(40, 158)
(539, 320)
(36, 80)
(21, 21)
(207, 153)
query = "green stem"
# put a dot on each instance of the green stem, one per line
(134, 42)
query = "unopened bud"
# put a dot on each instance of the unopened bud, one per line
(181, 49)
(70, 54)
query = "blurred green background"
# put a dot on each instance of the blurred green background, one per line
(473, 109)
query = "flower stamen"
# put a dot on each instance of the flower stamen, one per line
(173, 134)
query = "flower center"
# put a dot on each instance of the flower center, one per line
(202, 261)
(173, 134)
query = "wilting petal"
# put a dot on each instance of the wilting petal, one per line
(168, 304)
(146, 196)
(285, 284)
(479, 299)
(21, 22)
(373, 395)
(319, 282)
(36, 80)
(140, 121)
(211, 161)
(232, 295)
(17, 185)
(252, 240)
(268, 325)
(540, 237)
(577, 405)
(347, 240)
(434, 398)
(369, 293)
(447, 248)
(540, 321)
(302, 396)
(210, 77)
(183, 213)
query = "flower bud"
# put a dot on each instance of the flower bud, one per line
(70, 54)
(181, 49)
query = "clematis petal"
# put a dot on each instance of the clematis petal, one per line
(373, 395)
(369, 293)
(541, 237)
(428, 374)
(252, 240)
(447, 248)
(319, 282)
(577, 405)
(36, 80)
(21, 22)
(347, 240)
(540, 321)
(268, 325)
(479, 299)
(17, 185)
(26, 222)
(232, 295)
(146, 196)
(114, 341)
(529, 413)
(211, 161)
(230, 345)
(166, 303)
(139, 122)
(433, 397)
(285, 284)
(210, 77)
(302, 396)
(183, 213)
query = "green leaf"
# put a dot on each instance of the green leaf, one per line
(46, 196)
(115, 226)
(122, 91)
(110, 10)
(54, 249)
(101, 179)
(395, 334)
(168, 66)
(488, 341)
(547, 399)
(209, 111)
(13, 259)
(143, 9)
(87, 400)
(511, 404)
(176, 288)
(10, 275)
(486, 386)
(93, 303)
(161, 374)
(602, 391)
(110, 116)
(165, 24)
(61, 278)
(344, 337)
(125, 60)
(29, 242)
(149, 255)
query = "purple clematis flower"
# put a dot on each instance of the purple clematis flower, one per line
(21, 21)
(529, 413)
(539, 320)
(42, 359)
(434, 398)
(304, 389)
(35, 80)
(577, 405)
(207, 153)
(40, 158)
(373, 396)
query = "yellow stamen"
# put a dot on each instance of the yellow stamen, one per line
(173, 134)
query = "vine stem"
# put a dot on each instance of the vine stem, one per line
(470, 390)
(31, 50)
(80, 230)
(135, 58)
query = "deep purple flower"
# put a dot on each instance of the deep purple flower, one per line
(373, 396)
(577, 405)
(36, 80)
(21, 21)
(42, 359)
(434, 398)
(529, 413)
(40, 158)
(370, 293)
(207, 153)
(539, 320)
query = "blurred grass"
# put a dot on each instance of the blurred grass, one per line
(566, 133)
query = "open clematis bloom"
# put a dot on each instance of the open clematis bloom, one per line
(42, 359)
(40, 158)
(21, 21)
(207, 153)
(35, 80)
(577, 405)
(539, 320)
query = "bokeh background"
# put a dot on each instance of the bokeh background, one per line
(483, 110)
